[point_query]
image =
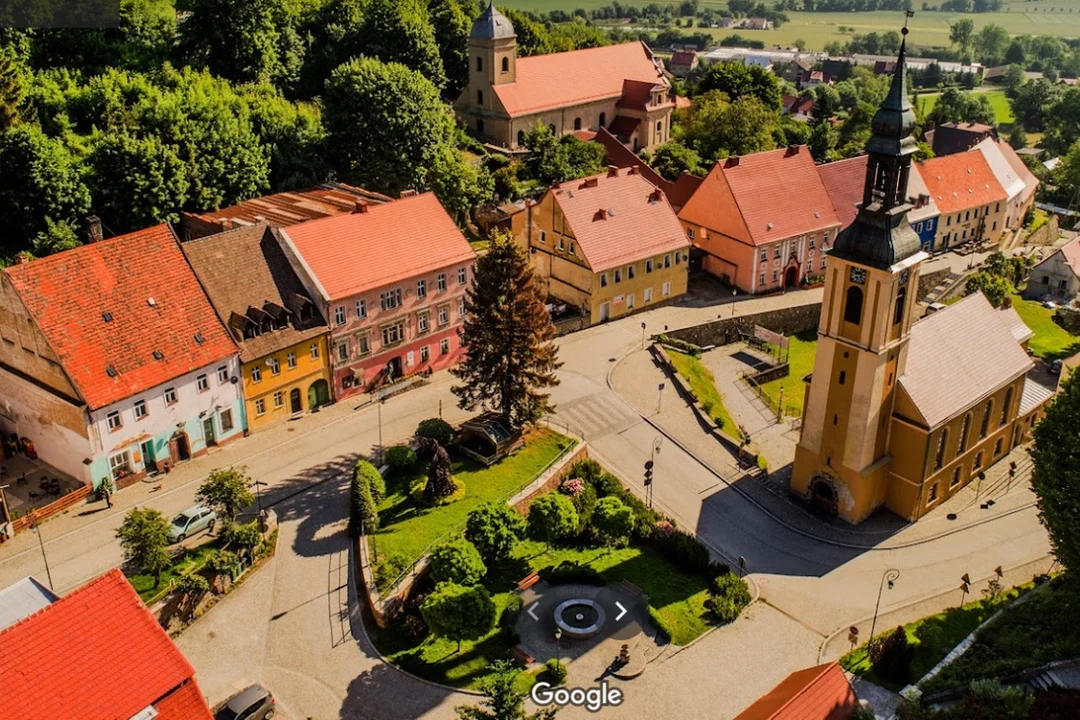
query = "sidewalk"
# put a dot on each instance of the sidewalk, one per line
(635, 379)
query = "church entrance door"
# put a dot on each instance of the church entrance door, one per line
(823, 497)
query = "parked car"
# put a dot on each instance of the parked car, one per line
(191, 521)
(1050, 305)
(1055, 367)
(251, 703)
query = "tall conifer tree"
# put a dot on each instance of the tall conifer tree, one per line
(508, 334)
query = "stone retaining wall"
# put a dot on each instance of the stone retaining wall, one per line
(929, 281)
(787, 321)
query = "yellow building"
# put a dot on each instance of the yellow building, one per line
(901, 413)
(279, 330)
(609, 244)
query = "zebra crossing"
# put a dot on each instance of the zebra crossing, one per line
(595, 415)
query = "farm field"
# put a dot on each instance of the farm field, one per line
(818, 28)
(1002, 110)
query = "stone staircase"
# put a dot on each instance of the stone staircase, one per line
(943, 287)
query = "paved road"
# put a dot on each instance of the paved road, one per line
(295, 625)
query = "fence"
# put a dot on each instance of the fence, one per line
(57, 506)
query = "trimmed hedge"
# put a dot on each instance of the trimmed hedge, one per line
(728, 595)
(569, 572)
(370, 475)
(400, 456)
(436, 429)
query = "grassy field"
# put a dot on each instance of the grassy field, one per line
(933, 637)
(801, 360)
(1051, 341)
(407, 527)
(703, 385)
(1003, 113)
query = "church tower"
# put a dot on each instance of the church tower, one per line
(841, 462)
(492, 62)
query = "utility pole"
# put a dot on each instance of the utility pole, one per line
(660, 397)
(37, 529)
(642, 335)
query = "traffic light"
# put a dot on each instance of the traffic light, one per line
(648, 472)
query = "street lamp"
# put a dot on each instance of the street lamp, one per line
(652, 463)
(642, 336)
(558, 645)
(258, 499)
(381, 401)
(41, 543)
(659, 397)
(890, 576)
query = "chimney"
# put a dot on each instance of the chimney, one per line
(22, 258)
(793, 149)
(93, 229)
(612, 171)
(655, 195)
(554, 184)
(635, 170)
(408, 193)
(732, 161)
(601, 214)
(361, 206)
(1007, 302)
(590, 183)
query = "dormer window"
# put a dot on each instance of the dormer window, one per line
(199, 338)
(106, 316)
(158, 355)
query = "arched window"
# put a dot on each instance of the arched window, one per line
(1005, 407)
(984, 426)
(577, 123)
(853, 307)
(659, 126)
(506, 64)
(479, 97)
(961, 445)
(939, 455)
(603, 119)
(521, 138)
(479, 64)
(479, 125)
(898, 311)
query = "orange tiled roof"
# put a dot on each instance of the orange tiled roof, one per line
(961, 181)
(354, 253)
(763, 197)
(71, 293)
(95, 653)
(619, 155)
(295, 206)
(545, 82)
(617, 220)
(817, 693)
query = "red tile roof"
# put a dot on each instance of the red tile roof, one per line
(546, 82)
(682, 103)
(354, 253)
(617, 220)
(817, 693)
(844, 180)
(619, 155)
(763, 197)
(95, 653)
(683, 57)
(623, 126)
(68, 295)
(961, 181)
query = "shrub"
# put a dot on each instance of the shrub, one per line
(193, 585)
(613, 520)
(224, 562)
(363, 513)
(684, 551)
(510, 613)
(459, 613)
(680, 345)
(436, 429)
(552, 517)
(389, 569)
(369, 474)
(606, 484)
(245, 538)
(400, 456)
(569, 572)
(494, 528)
(556, 671)
(584, 502)
(586, 469)
(892, 655)
(572, 487)
(457, 561)
(728, 595)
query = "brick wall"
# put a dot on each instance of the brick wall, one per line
(787, 321)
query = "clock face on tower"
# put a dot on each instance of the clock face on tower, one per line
(858, 275)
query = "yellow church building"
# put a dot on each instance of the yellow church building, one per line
(903, 413)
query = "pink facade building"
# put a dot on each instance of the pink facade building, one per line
(392, 280)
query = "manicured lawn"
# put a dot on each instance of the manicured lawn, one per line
(933, 637)
(1038, 631)
(406, 527)
(1051, 341)
(801, 360)
(1003, 113)
(189, 562)
(678, 598)
(703, 385)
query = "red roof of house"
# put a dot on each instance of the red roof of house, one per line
(763, 197)
(349, 254)
(844, 181)
(69, 295)
(546, 82)
(683, 57)
(95, 653)
(617, 219)
(682, 103)
(961, 181)
(619, 155)
(817, 693)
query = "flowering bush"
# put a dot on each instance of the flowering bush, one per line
(572, 487)
(664, 528)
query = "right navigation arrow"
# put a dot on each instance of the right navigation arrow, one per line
(622, 611)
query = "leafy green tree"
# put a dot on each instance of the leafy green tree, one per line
(437, 429)
(136, 182)
(576, 35)
(957, 106)
(508, 331)
(1018, 138)
(144, 538)
(452, 23)
(672, 159)
(400, 31)
(823, 140)
(1056, 474)
(532, 37)
(1014, 78)
(613, 520)
(738, 81)
(494, 528)
(555, 159)
(56, 237)
(716, 127)
(990, 43)
(40, 182)
(457, 561)
(12, 87)
(1063, 122)
(960, 33)
(459, 613)
(336, 35)
(1033, 101)
(243, 40)
(294, 135)
(502, 698)
(552, 517)
(226, 491)
(994, 287)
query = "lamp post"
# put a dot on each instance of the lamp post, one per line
(41, 543)
(258, 500)
(659, 397)
(558, 645)
(381, 401)
(652, 464)
(642, 336)
(889, 576)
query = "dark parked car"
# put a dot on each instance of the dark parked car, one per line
(252, 703)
